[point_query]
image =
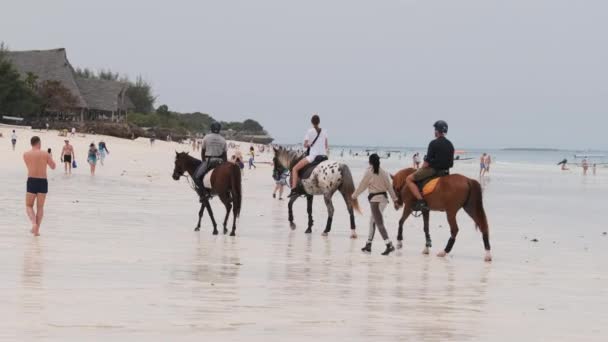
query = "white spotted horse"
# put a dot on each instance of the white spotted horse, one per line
(321, 178)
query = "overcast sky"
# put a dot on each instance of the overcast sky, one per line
(502, 73)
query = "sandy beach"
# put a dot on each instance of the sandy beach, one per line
(118, 259)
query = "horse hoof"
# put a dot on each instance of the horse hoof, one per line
(225, 231)
(292, 226)
(308, 231)
(325, 234)
(488, 257)
(353, 235)
(197, 229)
(426, 251)
(215, 232)
(233, 234)
(442, 254)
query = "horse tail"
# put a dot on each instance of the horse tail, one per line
(348, 187)
(474, 206)
(237, 190)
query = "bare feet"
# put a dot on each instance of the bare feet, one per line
(35, 230)
(442, 254)
(426, 251)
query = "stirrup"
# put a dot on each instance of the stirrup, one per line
(294, 194)
(420, 205)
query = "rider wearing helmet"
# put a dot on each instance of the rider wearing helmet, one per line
(214, 151)
(439, 158)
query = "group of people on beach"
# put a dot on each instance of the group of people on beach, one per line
(36, 161)
(438, 160)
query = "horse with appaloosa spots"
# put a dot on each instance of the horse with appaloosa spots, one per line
(325, 179)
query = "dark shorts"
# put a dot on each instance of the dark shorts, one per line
(14, 141)
(67, 158)
(424, 173)
(37, 185)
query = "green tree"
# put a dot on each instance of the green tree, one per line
(140, 94)
(108, 75)
(85, 73)
(163, 110)
(31, 80)
(16, 98)
(252, 126)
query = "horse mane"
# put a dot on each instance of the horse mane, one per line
(288, 158)
(189, 159)
(400, 177)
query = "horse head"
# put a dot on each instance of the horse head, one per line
(180, 164)
(399, 180)
(287, 158)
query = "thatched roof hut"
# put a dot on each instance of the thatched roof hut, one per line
(48, 65)
(104, 98)
(95, 99)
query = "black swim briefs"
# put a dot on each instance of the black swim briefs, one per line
(37, 185)
(67, 158)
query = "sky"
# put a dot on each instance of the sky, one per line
(517, 73)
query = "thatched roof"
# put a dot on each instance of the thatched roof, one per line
(103, 94)
(48, 65)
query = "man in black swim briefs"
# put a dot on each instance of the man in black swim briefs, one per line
(37, 187)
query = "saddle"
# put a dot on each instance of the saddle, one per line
(428, 185)
(212, 164)
(306, 172)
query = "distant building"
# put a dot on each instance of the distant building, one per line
(95, 99)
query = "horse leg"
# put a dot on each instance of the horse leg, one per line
(309, 199)
(290, 208)
(351, 212)
(406, 213)
(200, 217)
(233, 233)
(453, 231)
(485, 234)
(330, 213)
(228, 205)
(215, 232)
(425, 216)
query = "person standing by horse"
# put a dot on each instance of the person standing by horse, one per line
(379, 186)
(214, 151)
(317, 145)
(280, 175)
(439, 159)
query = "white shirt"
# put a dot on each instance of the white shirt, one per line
(14, 136)
(319, 148)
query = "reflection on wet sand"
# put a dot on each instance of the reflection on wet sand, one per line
(33, 296)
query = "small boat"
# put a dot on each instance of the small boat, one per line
(460, 155)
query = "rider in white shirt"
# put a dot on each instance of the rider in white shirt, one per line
(316, 143)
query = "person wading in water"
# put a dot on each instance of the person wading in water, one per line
(379, 186)
(439, 159)
(214, 151)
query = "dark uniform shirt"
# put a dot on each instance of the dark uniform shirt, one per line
(440, 154)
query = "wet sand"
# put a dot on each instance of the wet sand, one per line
(118, 259)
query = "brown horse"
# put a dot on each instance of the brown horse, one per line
(225, 183)
(453, 192)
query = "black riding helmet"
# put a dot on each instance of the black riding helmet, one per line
(216, 127)
(441, 126)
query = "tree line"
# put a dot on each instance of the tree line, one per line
(28, 97)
